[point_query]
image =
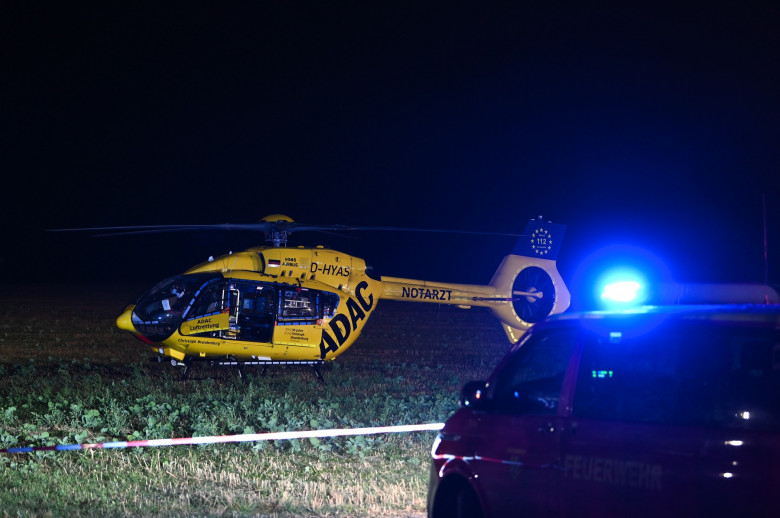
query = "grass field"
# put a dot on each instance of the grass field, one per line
(67, 375)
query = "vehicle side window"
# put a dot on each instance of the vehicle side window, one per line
(532, 379)
(730, 377)
(627, 379)
(686, 374)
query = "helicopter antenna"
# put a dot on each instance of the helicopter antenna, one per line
(232, 266)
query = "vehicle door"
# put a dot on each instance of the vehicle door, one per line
(626, 452)
(730, 389)
(518, 455)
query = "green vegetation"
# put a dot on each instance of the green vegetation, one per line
(68, 376)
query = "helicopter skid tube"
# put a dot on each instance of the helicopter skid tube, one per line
(314, 364)
(236, 363)
(265, 363)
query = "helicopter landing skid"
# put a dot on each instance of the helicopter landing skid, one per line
(187, 363)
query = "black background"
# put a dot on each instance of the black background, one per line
(646, 131)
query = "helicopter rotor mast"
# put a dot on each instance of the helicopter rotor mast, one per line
(277, 238)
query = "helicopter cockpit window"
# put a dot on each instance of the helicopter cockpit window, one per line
(171, 296)
(211, 300)
(160, 310)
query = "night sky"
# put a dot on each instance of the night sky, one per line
(647, 131)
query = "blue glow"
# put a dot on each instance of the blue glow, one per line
(622, 287)
(621, 291)
(633, 274)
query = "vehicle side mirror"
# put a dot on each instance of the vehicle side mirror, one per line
(473, 395)
(521, 402)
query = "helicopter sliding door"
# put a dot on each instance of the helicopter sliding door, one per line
(252, 308)
(233, 310)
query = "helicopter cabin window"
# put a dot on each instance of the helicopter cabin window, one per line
(302, 306)
(297, 304)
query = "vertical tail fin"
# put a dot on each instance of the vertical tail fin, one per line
(540, 239)
(529, 278)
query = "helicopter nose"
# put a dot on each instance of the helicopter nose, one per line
(125, 320)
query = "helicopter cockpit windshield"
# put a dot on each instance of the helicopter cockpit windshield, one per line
(160, 311)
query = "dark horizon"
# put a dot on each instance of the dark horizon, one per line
(647, 131)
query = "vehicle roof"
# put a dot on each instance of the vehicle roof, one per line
(768, 314)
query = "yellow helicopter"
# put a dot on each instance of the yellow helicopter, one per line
(280, 305)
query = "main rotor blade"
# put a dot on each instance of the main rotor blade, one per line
(349, 228)
(153, 229)
(266, 226)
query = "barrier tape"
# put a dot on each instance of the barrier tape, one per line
(247, 437)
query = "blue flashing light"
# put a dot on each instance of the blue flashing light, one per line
(617, 277)
(622, 287)
(621, 291)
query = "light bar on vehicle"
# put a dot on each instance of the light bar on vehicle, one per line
(703, 293)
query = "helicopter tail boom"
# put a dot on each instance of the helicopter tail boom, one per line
(465, 295)
(525, 289)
